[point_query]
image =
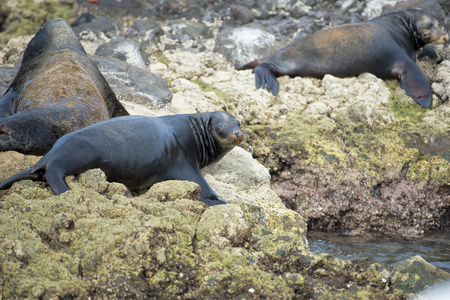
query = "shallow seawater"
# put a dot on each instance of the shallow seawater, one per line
(434, 247)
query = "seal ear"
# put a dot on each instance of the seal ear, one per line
(414, 83)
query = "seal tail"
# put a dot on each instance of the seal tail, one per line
(265, 78)
(250, 65)
(24, 175)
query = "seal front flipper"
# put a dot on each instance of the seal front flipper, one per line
(265, 77)
(190, 173)
(208, 196)
(414, 82)
(213, 199)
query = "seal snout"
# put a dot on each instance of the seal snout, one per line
(445, 39)
(237, 138)
(441, 39)
(233, 139)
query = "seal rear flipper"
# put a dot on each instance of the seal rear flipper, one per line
(55, 178)
(24, 175)
(265, 78)
(414, 83)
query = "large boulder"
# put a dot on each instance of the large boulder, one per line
(246, 43)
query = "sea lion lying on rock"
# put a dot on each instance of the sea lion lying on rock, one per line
(57, 90)
(140, 151)
(385, 46)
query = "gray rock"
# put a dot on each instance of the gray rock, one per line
(309, 2)
(291, 7)
(242, 13)
(276, 6)
(148, 30)
(123, 49)
(344, 5)
(299, 9)
(133, 84)
(7, 75)
(186, 30)
(243, 44)
(107, 26)
(83, 19)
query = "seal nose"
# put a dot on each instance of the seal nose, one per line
(239, 137)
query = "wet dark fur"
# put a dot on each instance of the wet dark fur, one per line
(140, 151)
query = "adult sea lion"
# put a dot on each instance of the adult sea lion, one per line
(385, 46)
(140, 151)
(57, 90)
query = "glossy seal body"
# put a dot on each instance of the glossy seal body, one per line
(57, 90)
(140, 151)
(385, 46)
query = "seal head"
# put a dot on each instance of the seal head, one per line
(427, 28)
(216, 134)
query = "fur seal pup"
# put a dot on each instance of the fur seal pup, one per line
(385, 46)
(57, 90)
(140, 151)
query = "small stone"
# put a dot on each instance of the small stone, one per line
(37, 291)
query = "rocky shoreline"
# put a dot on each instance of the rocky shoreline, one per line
(354, 154)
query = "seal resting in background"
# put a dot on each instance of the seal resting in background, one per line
(140, 151)
(385, 46)
(57, 90)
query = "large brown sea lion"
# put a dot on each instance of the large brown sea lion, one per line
(56, 91)
(140, 151)
(385, 46)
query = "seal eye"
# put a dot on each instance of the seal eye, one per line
(426, 34)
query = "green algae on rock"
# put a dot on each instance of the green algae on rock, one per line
(165, 243)
(414, 274)
(25, 17)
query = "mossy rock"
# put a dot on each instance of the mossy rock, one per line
(415, 274)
